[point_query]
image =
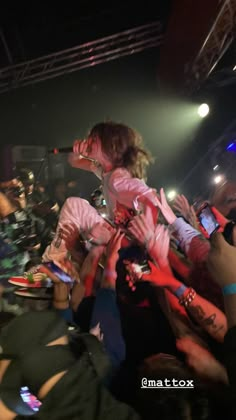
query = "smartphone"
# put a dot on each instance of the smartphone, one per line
(30, 399)
(208, 220)
(61, 274)
(138, 269)
(145, 269)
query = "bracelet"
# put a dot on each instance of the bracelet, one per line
(110, 273)
(180, 291)
(230, 289)
(188, 298)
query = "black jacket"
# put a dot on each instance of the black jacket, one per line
(80, 394)
(230, 363)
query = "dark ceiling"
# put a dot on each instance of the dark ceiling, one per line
(34, 30)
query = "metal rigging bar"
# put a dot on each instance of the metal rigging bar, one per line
(215, 45)
(86, 55)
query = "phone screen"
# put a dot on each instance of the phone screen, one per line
(145, 268)
(137, 270)
(61, 274)
(30, 399)
(208, 220)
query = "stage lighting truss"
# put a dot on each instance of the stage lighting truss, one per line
(90, 54)
(217, 42)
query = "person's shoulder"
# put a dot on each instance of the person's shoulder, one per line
(117, 174)
(121, 171)
(75, 201)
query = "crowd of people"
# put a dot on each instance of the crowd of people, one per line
(107, 303)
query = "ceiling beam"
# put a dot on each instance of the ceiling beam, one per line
(82, 56)
(198, 34)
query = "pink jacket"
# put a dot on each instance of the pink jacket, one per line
(120, 187)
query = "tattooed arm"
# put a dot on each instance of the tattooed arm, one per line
(206, 314)
(203, 312)
(209, 317)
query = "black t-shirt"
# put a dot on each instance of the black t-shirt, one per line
(79, 395)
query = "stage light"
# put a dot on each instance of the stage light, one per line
(231, 147)
(216, 167)
(234, 69)
(203, 110)
(171, 195)
(218, 179)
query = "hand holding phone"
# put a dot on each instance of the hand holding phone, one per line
(208, 220)
(57, 271)
(30, 399)
(137, 270)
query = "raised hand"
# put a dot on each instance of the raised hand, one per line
(182, 205)
(96, 331)
(222, 261)
(159, 244)
(81, 159)
(141, 227)
(114, 246)
(80, 147)
(112, 254)
(158, 277)
(165, 209)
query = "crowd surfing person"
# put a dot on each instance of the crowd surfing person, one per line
(115, 154)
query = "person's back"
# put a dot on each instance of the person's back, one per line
(68, 383)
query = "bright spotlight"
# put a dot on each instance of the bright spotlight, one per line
(234, 69)
(203, 110)
(218, 179)
(171, 195)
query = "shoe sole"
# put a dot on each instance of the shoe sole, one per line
(29, 295)
(28, 285)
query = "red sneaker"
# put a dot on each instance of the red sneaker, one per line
(36, 280)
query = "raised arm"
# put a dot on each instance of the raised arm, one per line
(76, 161)
(222, 265)
(210, 318)
(191, 241)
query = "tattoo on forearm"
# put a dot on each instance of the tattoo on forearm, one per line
(199, 315)
(197, 312)
(210, 320)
